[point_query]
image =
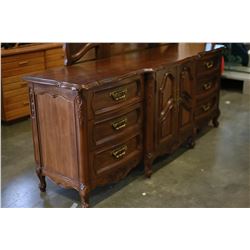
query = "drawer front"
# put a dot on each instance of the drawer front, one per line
(18, 105)
(121, 93)
(17, 113)
(205, 107)
(14, 86)
(21, 88)
(112, 158)
(208, 85)
(56, 51)
(208, 63)
(21, 97)
(22, 64)
(116, 126)
(14, 79)
(54, 57)
(22, 57)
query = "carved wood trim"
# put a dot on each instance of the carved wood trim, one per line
(32, 103)
(79, 109)
(49, 82)
(62, 180)
(170, 104)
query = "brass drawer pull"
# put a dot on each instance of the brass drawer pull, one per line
(118, 153)
(120, 124)
(206, 107)
(119, 94)
(209, 64)
(207, 86)
(25, 103)
(23, 63)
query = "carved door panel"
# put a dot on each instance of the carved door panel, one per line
(185, 98)
(166, 115)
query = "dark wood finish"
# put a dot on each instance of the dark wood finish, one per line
(20, 61)
(208, 85)
(82, 52)
(95, 121)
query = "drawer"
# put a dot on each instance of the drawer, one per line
(208, 85)
(17, 105)
(117, 156)
(22, 57)
(54, 58)
(17, 113)
(14, 79)
(56, 51)
(117, 95)
(205, 107)
(21, 88)
(22, 97)
(112, 128)
(208, 63)
(14, 86)
(22, 64)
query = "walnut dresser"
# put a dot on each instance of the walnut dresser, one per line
(96, 120)
(19, 61)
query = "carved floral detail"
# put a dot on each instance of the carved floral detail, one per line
(79, 108)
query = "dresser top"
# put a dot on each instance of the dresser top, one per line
(94, 73)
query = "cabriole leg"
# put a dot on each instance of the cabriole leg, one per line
(190, 142)
(84, 196)
(148, 162)
(42, 184)
(215, 120)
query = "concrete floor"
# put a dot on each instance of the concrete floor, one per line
(213, 174)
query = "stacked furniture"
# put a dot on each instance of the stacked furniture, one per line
(96, 120)
(17, 62)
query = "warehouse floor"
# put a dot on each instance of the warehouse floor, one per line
(216, 173)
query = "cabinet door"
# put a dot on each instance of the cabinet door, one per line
(166, 115)
(185, 99)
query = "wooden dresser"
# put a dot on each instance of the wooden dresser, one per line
(20, 61)
(96, 120)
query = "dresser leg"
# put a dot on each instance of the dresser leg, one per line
(84, 196)
(215, 122)
(42, 184)
(190, 142)
(148, 162)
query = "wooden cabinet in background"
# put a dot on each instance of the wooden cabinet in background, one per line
(20, 61)
(95, 121)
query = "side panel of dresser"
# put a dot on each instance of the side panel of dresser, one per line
(15, 101)
(59, 127)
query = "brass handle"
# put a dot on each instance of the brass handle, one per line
(206, 107)
(119, 94)
(118, 153)
(207, 86)
(120, 124)
(209, 64)
(23, 63)
(25, 103)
